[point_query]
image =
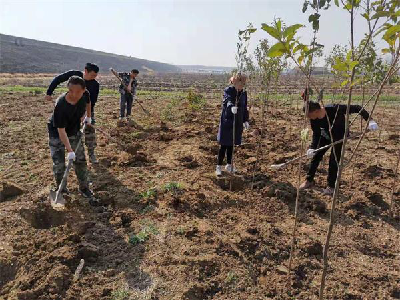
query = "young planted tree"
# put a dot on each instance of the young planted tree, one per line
(242, 60)
(302, 55)
(267, 70)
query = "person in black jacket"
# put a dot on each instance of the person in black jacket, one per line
(234, 107)
(127, 90)
(318, 116)
(92, 86)
(64, 134)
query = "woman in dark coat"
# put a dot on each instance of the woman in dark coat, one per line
(233, 94)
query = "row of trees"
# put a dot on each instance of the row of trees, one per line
(353, 65)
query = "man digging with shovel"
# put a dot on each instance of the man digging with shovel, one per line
(64, 133)
(89, 75)
(318, 116)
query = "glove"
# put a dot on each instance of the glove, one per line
(71, 155)
(88, 120)
(246, 125)
(310, 153)
(234, 109)
(372, 125)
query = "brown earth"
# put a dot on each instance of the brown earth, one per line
(157, 239)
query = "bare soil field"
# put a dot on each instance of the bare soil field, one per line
(169, 229)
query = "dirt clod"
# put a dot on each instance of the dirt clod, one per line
(9, 190)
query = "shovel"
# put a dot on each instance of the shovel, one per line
(280, 166)
(126, 89)
(56, 198)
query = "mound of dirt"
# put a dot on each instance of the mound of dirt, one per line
(9, 190)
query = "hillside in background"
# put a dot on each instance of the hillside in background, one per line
(22, 55)
(205, 69)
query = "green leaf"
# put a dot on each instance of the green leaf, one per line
(270, 30)
(299, 47)
(291, 31)
(277, 50)
(381, 14)
(366, 16)
(386, 51)
(344, 83)
(300, 59)
(305, 6)
(337, 3)
(348, 6)
(348, 55)
(353, 64)
(391, 32)
(314, 19)
(322, 3)
(340, 66)
(279, 25)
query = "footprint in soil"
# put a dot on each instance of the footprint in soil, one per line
(189, 162)
(377, 199)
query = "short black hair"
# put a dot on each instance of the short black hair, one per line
(76, 80)
(312, 106)
(92, 67)
(135, 71)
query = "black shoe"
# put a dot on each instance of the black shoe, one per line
(86, 192)
(94, 202)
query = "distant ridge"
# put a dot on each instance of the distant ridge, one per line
(22, 55)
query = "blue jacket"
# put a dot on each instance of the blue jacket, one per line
(225, 131)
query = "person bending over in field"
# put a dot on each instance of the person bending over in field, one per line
(64, 133)
(89, 75)
(318, 116)
(234, 104)
(128, 93)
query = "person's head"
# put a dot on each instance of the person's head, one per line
(314, 110)
(76, 88)
(134, 73)
(238, 80)
(91, 71)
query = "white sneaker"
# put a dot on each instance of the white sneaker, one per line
(218, 170)
(328, 191)
(122, 118)
(230, 168)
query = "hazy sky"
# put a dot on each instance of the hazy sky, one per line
(176, 32)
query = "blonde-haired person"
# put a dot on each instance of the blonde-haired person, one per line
(234, 105)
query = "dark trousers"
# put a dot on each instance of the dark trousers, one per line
(221, 154)
(333, 166)
(126, 103)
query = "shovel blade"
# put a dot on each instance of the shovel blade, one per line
(56, 203)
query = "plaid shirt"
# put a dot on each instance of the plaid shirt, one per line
(126, 78)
